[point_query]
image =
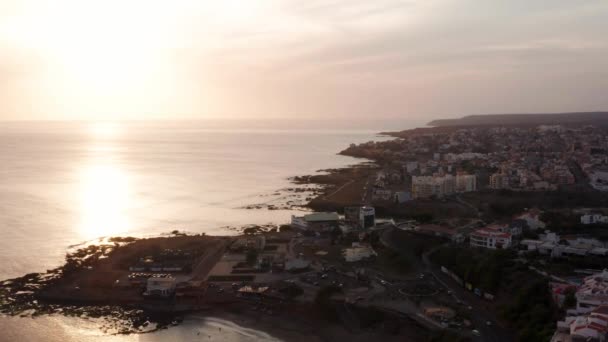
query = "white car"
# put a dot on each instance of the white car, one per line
(475, 332)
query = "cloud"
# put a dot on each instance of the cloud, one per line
(316, 58)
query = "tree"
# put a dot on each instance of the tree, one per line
(252, 256)
(570, 300)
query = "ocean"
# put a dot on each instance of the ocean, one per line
(63, 184)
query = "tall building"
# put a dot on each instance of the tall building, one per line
(499, 181)
(360, 217)
(427, 186)
(466, 183)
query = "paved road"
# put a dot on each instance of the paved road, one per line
(338, 189)
(479, 314)
(205, 265)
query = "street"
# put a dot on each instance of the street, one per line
(480, 316)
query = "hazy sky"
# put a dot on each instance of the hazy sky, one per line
(81, 59)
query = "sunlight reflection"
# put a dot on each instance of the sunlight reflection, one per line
(105, 198)
(104, 129)
(105, 194)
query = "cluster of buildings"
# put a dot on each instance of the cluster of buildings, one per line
(442, 185)
(588, 320)
(517, 158)
(502, 236)
(358, 252)
(557, 246)
(356, 221)
(356, 218)
(594, 218)
(167, 260)
(491, 237)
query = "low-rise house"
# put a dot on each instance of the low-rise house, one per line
(252, 292)
(402, 197)
(490, 238)
(559, 292)
(160, 287)
(593, 292)
(192, 289)
(591, 327)
(594, 218)
(319, 221)
(358, 252)
(532, 219)
(256, 242)
(549, 244)
(297, 264)
(379, 194)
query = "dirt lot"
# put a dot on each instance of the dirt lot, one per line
(96, 282)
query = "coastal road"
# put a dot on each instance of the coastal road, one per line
(326, 197)
(211, 257)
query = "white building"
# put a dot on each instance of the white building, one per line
(499, 181)
(466, 183)
(162, 287)
(490, 238)
(592, 327)
(427, 186)
(599, 179)
(316, 221)
(411, 166)
(592, 293)
(532, 218)
(594, 218)
(358, 252)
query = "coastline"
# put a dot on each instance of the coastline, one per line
(68, 291)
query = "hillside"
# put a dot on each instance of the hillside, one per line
(525, 119)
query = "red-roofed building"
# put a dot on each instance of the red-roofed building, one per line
(592, 327)
(593, 292)
(559, 292)
(490, 237)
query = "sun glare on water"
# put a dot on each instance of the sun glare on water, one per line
(105, 194)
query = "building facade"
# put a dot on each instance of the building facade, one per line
(490, 238)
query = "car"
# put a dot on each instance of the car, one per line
(470, 307)
(488, 323)
(383, 282)
(475, 332)
(324, 276)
